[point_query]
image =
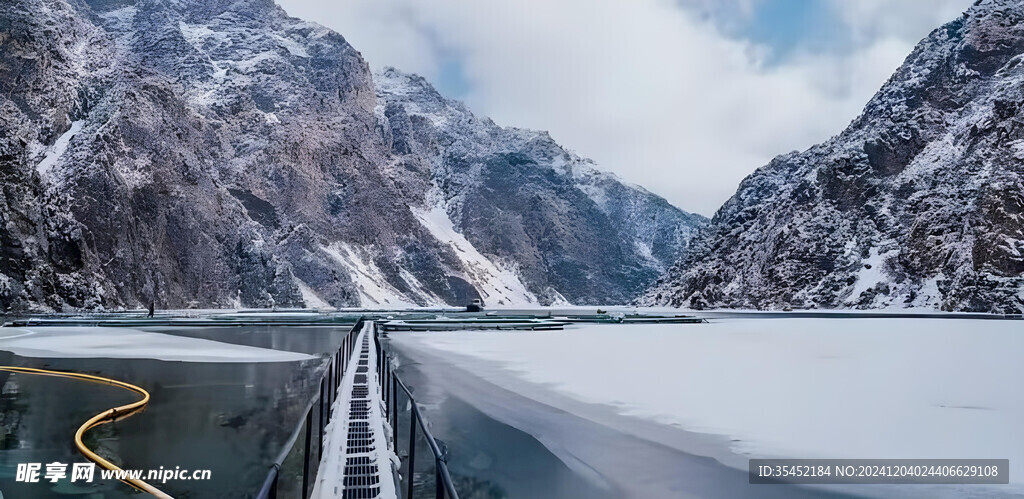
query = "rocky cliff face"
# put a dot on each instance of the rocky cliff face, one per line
(219, 153)
(574, 233)
(919, 203)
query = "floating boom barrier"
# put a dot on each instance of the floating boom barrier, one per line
(108, 416)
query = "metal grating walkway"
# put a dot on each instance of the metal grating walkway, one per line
(361, 476)
(357, 462)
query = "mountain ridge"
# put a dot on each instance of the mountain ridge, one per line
(223, 154)
(917, 203)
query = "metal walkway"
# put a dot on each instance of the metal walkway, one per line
(358, 425)
(358, 460)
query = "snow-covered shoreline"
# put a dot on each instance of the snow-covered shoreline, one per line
(854, 388)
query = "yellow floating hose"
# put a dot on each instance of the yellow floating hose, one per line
(107, 416)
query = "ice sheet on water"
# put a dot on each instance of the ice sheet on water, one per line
(809, 388)
(125, 343)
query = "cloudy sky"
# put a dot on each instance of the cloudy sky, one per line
(684, 97)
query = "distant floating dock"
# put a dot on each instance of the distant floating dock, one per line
(635, 319)
(446, 320)
(445, 324)
(513, 323)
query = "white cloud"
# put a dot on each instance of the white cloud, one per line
(906, 19)
(649, 90)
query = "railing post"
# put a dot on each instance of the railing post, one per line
(386, 387)
(333, 393)
(380, 357)
(305, 456)
(269, 488)
(412, 452)
(438, 482)
(394, 403)
(321, 422)
(273, 489)
(391, 386)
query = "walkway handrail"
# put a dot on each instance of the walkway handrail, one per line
(441, 460)
(434, 448)
(329, 382)
(391, 382)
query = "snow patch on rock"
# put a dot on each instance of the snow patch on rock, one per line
(367, 277)
(497, 284)
(309, 297)
(294, 48)
(872, 272)
(54, 152)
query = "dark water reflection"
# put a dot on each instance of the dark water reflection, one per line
(487, 458)
(313, 340)
(231, 418)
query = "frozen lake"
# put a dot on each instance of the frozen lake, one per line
(595, 411)
(740, 388)
(223, 398)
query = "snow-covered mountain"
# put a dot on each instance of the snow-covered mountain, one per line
(918, 203)
(572, 231)
(221, 153)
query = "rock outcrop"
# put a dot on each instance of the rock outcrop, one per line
(918, 203)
